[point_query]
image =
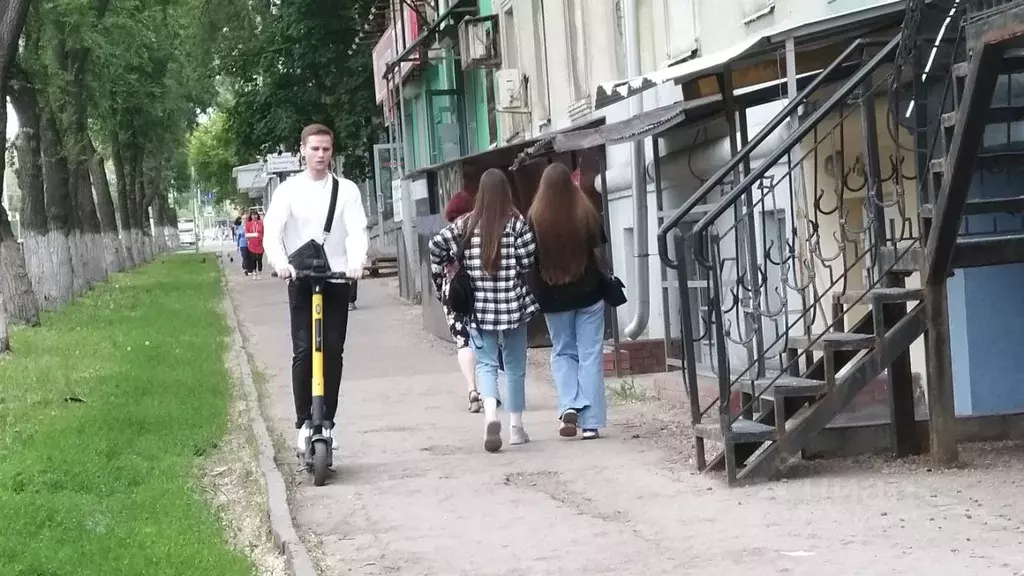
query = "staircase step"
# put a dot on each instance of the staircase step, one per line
(1013, 61)
(743, 430)
(788, 387)
(882, 295)
(996, 115)
(989, 250)
(833, 341)
(910, 258)
(1013, 205)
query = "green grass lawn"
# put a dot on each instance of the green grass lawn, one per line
(108, 486)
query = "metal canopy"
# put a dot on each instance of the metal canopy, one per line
(835, 27)
(512, 147)
(659, 120)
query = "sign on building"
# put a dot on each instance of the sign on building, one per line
(281, 163)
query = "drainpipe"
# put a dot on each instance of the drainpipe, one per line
(640, 244)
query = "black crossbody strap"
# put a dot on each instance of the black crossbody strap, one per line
(332, 207)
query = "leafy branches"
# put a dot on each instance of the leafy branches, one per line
(293, 65)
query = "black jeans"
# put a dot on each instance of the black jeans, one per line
(257, 261)
(300, 305)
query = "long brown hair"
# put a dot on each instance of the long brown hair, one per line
(566, 225)
(490, 215)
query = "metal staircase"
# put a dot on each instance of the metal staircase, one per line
(795, 322)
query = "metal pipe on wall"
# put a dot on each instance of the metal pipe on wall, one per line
(641, 252)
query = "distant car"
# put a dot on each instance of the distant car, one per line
(187, 232)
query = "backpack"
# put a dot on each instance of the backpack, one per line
(460, 297)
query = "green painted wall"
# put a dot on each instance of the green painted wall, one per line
(424, 141)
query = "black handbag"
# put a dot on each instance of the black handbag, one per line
(460, 296)
(613, 290)
(312, 255)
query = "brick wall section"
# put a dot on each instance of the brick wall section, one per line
(637, 357)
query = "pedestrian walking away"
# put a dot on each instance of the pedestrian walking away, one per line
(243, 246)
(494, 246)
(294, 219)
(254, 236)
(567, 281)
(461, 203)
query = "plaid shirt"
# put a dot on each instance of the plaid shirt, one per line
(501, 301)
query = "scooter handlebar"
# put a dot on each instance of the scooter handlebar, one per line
(313, 275)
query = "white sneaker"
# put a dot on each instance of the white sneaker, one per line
(517, 435)
(330, 434)
(305, 433)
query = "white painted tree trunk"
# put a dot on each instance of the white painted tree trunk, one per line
(80, 265)
(18, 300)
(113, 251)
(48, 261)
(173, 241)
(5, 339)
(97, 255)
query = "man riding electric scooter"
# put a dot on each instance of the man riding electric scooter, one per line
(315, 238)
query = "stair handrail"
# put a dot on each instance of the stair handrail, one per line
(799, 133)
(719, 177)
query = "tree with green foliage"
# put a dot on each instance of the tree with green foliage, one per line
(212, 154)
(297, 63)
(107, 93)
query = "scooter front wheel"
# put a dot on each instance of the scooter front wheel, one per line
(321, 454)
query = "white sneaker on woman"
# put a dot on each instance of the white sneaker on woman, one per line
(517, 435)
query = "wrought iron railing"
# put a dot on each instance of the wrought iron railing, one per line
(786, 281)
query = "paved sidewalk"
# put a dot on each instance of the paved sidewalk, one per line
(415, 494)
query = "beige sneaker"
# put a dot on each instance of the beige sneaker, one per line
(517, 435)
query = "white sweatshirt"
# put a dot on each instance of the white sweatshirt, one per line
(298, 209)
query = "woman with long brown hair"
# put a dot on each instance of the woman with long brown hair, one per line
(496, 248)
(568, 285)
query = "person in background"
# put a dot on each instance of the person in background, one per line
(567, 283)
(254, 237)
(243, 246)
(499, 249)
(459, 205)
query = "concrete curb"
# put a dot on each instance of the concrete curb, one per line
(286, 539)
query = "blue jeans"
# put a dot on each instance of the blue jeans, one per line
(577, 363)
(513, 354)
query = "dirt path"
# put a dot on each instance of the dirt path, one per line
(416, 495)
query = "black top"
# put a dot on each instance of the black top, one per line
(575, 295)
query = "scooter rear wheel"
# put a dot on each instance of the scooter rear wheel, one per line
(321, 453)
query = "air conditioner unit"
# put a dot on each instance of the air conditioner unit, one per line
(511, 91)
(479, 42)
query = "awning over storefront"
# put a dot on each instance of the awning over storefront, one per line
(659, 120)
(764, 44)
(507, 150)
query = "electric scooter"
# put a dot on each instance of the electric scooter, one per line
(318, 456)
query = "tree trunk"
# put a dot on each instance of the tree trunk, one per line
(19, 302)
(58, 207)
(12, 20)
(78, 152)
(124, 201)
(37, 241)
(113, 247)
(142, 206)
(80, 261)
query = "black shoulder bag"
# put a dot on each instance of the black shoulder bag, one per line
(312, 255)
(460, 290)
